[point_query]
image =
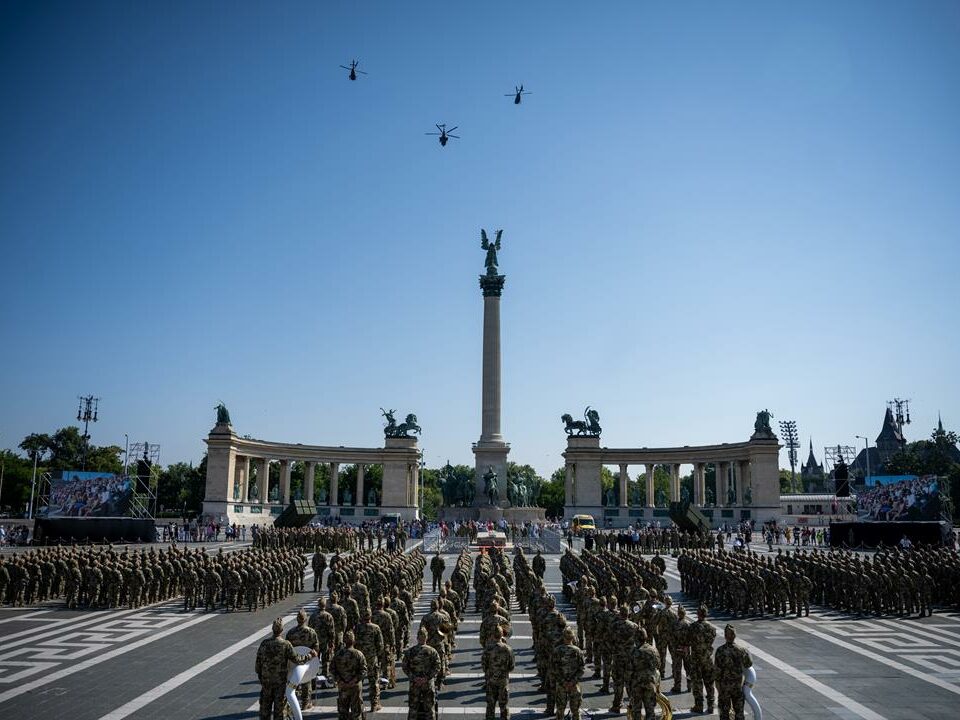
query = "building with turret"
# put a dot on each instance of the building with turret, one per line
(811, 472)
(889, 442)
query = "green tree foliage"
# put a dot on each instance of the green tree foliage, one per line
(552, 495)
(785, 482)
(180, 488)
(17, 474)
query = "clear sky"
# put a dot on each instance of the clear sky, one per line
(708, 209)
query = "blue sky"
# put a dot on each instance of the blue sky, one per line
(708, 209)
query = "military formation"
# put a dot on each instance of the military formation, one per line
(890, 582)
(104, 578)
(342, 538)
(648, 540)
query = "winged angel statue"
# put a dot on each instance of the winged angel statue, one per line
(491, 248)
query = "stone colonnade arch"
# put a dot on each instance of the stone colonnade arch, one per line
(748, 480)
(231, 458)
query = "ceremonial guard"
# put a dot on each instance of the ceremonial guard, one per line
(643, 677)
(730, 661)
(348, 670)
(700, 637)
(422, 664)
(498, 663)
(569, 670)
(305, 636)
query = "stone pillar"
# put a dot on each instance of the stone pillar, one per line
(743, 471)
(263, 480)
(698, 484)
(358, 498)
(286, 468)
(334, 484)
(674, 482)
(568, 496)
(309, 471)
(651, 498)
(723, 483)
(491, 450)
(415, 490)
(624, 485)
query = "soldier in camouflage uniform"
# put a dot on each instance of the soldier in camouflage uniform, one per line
(369, 641)
(568, 669)
(422, 664)
(323, 625)
(680, 650)
(437, 625)
(730, 661)
(348, 669)
(388, 659)
(700, 637)
(272, 658)
(306, 636)
(643, 677)
(498, 663)
(339, 617)
(623, 628)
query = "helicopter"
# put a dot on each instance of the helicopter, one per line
(353, 69)
(517, 94)
(444, 133)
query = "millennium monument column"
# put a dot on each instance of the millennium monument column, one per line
(491, 450)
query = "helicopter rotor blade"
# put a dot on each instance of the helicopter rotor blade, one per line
(345, 67)
(453, 136)
(431, 133)
(452, 129)
(362, 72)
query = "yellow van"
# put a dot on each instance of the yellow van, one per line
(582, 522)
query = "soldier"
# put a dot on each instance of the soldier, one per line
(730, 661)
(348, 668)
(643, 677)
(370, 643)
(339, 617)
(306, 636)
(539, 564)
(498, 662)
(437, 566)
(324, 626)
(422, 665)
(623, 628)
(568, 667)
(700, 637)
(388, 659)
(437, 625)
(272, 658)
(680, 651)
(211, 588)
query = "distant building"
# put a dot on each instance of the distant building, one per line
(889, 442)
(811, 472)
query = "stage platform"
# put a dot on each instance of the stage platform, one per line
(53, 531)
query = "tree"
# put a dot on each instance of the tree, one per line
(17, 474)
(552, 496)
(35, 445)
(785, 482)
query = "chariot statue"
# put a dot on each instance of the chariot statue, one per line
(401, 430)
(589, 426)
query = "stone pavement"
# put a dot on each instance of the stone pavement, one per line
(160, 662)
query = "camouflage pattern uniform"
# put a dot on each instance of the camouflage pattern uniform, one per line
(272, 658)
(370, 643)
(700, 637)
(323, 624)
(303, 635)
(422, 665)
(569, 665)
(730, 661)
(498, 662)
(348, 670)
(643, 676)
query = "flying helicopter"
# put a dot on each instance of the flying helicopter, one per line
(444, 133)
(353, 69)
(517, 94)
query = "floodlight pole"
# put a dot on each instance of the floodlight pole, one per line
(866, 443)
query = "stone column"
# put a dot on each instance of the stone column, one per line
(743, 471)
(245, 488)
(650, 495)
(568, 499)
(264, 480)
(286, 467)
(358, 498)
(674, 482)
(415, 490)
(334, 484)
(698, 484)
(624, 485)
(309, 471)
(723, 483)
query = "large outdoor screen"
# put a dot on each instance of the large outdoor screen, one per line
(900, 498)
(89, 494)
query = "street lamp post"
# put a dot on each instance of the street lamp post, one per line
(866, 443)
(126, 453)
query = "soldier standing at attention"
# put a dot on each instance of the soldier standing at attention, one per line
(498, 662)
(569, 669)
(437, 566)
(539, 564)
(306, 636)
(731, 660)
(701, 635)
(323, 624)
(348, 669)
(679, 650)
(370, 643)
(272, 658)
(643, 676)
(422, 665)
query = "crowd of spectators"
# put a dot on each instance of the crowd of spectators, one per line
(912, 499)
(105, 496)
